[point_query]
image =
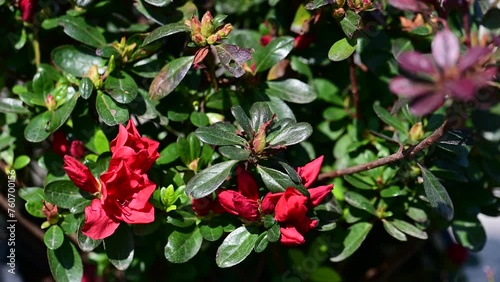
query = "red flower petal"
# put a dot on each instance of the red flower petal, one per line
(237, 204)
(77, 149)
(246, 184)
(269, 202)
(60, 143)
(98, 225)
(226, 200)
(416, 62)
(291, 237)
(426, 104)
(461, 89)
(310, 171)
(445, 49)
(407, 88)
(291, 206)
(472, 57)
(80, 175)
(319, 193)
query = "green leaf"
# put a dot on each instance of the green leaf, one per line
(292, 90)
(183, 245)
(269, 221)
(85, 243)
(169, 77)
(401, 45)
(165, 31)
(409, 229)
(260, 114)
(358, 183)
(54, 237)
(393, 191)
(86, 87)
(65, 263)
(236, 247)
(121, 87)
(109, 111)
(261, 243)
(469, 233)
(355, 237)
(350, 23)
(232, 58)
(33, 197)
(188, 148)
(273, 233)
(199, 119)
(325, 274)
(389, 119)
(436, 194)
(211, 232)
(119, 247)
(209, 179)
(242, 119)
(76, 60)
(78, 29)
(21, 161)
(70, 223)
(274, 52)
(291, 134)
(36, 131)
(159, 3)
(358, 201)
(341, 50)
(315, 4)
(234, 153)
(275, 180)
(181, 218)
(216, 135)
(10, 105)
(65, 194)
(393, 231)
(168, 154)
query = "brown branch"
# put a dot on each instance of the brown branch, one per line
(399, 155)
(354, 85)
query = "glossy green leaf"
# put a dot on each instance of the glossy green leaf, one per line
(65, 194)
(389, 119)
(119, 247)
(315, 4)
(469, 233)
(10, 105)
(273, 233)
(183, 245)
(86, 87)
(199, 119)
(436, 194)
(121, 86)
(85, 243)
(393, 191)
(260, 113)
(261, 243)
(355, 237)
(33, 197)
(211, 232)
(409, 229)
(159, 3)
(358, 183)
(291, 134)
(188, 148)
(54, 237)
(274, 52)
(216, 135)
(109, 111)
(341, 50)
(166, 30)
(65, 263)
(393, 231)
(401, 45)
(21, 161)
(235, 247)
(358, 201)
(209, 179)
(76, 60)
(181, 218)
(292, 90)
(168, 154)
(234, 153)
(350, 23)
(275, 180)
(242, 119)
(232, 58)
(169, 77)
(78, 29)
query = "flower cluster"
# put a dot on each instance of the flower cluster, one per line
(445, 74)
(206, 32)
(123, 191)
(289, 207)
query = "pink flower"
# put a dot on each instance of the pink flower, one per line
(27, 8)
(290, 207)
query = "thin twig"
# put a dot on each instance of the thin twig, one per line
(399, 155)
(354, 85)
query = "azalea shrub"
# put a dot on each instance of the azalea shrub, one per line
(305, 140)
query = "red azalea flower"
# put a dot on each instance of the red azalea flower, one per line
(244, 202)
(290, 207)
(265, 39)
(60, 143)
(303, 41)
(77, 149)
(203, 206)
(27, 8)
(138, 152)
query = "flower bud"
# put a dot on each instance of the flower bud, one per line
(224, 32)
(199, 40)
(50, 211)
(95, 77)
(338, 13)
(195, 26)
(213, 38)
(416, 132)
(340, 3)
(50, 103)
(207, 26)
